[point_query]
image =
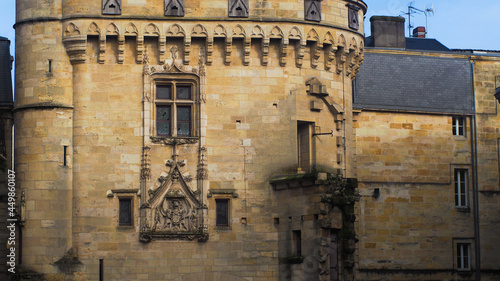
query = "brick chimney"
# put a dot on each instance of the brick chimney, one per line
(388, 32)
(419, 32)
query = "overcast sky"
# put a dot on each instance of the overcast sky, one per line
(458, 24)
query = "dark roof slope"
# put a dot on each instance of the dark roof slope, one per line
(417, 44)
(414, 83)
(5, 73)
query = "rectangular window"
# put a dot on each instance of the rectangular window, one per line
(174, 110)
(461, 188)
(463, 256)
(222, 212)
(304, 145)
(459, 126)
(297, 242)
(125, 212)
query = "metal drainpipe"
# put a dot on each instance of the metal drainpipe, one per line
(475, 186)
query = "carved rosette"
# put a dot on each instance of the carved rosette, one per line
(173, 210)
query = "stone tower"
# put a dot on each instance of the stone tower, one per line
(150, 134)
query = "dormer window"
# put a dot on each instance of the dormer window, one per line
(112, 7)
(174, 8)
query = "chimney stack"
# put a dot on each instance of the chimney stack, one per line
(388, 32)
(419, 32)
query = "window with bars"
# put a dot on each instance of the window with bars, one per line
(222, 212)
(463, 256)
(459, 126)
(461, 199)
(174, 104)
(125, 212)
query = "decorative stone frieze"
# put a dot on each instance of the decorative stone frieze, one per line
(331, 44)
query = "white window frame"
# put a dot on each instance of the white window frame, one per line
(461, 188)
(458, 122)
(463, 256)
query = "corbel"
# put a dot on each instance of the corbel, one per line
(76, 48)
(102, 48)
(351, 62)
(140, 49)
(341, 59)
(210, 50)
(248, 44)
(187, 49)
(316, 47)
(283, 51)
(162, 42)
(265, 50)
(300, 52)
(330, 56)
(121, 48)
(229, 49)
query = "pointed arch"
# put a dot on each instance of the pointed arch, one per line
(131, 29)
(342, 42)
(329, 38)
(276, 32)
(295, 33)
(312, 35)
(258, 32)
(220, 31)
(112, 29)
(199, 31)
(93, 29)
(239, 31)
(71, 30)
(151, 30)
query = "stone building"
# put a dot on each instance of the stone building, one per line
(160, 140)
(427, 132)
(223, 140)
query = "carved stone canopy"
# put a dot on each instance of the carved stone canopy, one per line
(173, 210)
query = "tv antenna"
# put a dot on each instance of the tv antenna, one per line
(413, 10)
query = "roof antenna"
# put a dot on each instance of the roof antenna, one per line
(411, 10)
(428, 12)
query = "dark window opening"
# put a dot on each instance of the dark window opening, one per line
(222, 212)
(125, 212)
(297, 242)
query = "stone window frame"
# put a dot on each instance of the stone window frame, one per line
(163, 77)
(131, 211)
(459, 254)
(457, 123)
(460, 173)
(174, 102)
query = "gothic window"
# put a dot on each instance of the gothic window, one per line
(353, 16)
(222, 212)
(125, 212)
(111, 7)
(175, 108)
(174, 8)
(238, 8)
(312, 10)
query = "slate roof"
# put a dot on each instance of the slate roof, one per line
(414, 83)
(414, 43)
(5, 73)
